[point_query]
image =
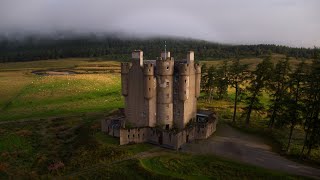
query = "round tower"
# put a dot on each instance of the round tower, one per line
(149, 81)
(184, 81)
(164, 72)
(198, 79)
(125, 67)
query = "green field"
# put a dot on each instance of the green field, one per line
(26, 95)
(50, 126)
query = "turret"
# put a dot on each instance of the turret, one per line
(149, 81)
(198, 79)
(164, 73)
(125, 67)
(184, 81)
(137, 57)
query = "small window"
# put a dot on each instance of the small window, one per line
(149, 78)
(128, 136)
(167, 117)
(149, 89)
(167, 67)
(185, 81)
(167, 84)
(168, 95)
(138, 135)
(167, 126)
(143, 135)
(133, 135)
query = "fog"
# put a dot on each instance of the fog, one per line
(284, 22)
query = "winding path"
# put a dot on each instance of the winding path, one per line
(234, 144)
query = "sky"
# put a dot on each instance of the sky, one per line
(284, 22)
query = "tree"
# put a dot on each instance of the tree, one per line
(291, 111)
(221, 80)
(312, 110)
(237, 75)
(278, 86)
(259, 79)
(211, 82)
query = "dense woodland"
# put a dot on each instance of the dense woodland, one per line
(113, 47)
(294, 95)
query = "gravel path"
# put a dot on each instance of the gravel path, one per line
(231, 143)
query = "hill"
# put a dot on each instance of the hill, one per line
(114, 47)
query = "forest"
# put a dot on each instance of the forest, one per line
(116, 48)
(293, 91)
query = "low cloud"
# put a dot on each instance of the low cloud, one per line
(285, 22)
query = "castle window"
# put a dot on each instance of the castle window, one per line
(167, 117)
(168, 96)
(149, 78)
(133, 135)
(138, 135)
(149, 89)
(167, 84)
(149, 71)
(167, 126)
(167, 67)
(128, 136)
(185, 81)
(185, 92)
(143, 135)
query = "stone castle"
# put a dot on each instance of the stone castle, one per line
(161, 102)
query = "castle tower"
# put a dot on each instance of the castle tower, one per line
(164, 73)
(133, 90)
(150, 85)
(186, 101)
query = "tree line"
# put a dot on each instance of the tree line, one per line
(294, 93)
(110, 47)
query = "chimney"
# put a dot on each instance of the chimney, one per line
(165, 55)
(190, 56)
(137, 57)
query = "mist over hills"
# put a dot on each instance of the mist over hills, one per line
(118, 46)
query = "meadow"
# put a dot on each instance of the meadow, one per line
(50, 126)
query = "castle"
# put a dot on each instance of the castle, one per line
(161, 102)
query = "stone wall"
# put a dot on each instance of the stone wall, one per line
(168, 139)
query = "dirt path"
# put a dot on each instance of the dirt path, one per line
(231, 143)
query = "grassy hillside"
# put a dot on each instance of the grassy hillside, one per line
(32, 96)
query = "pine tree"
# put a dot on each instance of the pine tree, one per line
(237, 75)
(221, 80)
(312, 103)
(278, 86)
(258, 81)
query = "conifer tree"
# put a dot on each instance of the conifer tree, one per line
(237, 76)
(277, 87)
(259, 79)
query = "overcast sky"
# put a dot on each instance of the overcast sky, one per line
(285, 22)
